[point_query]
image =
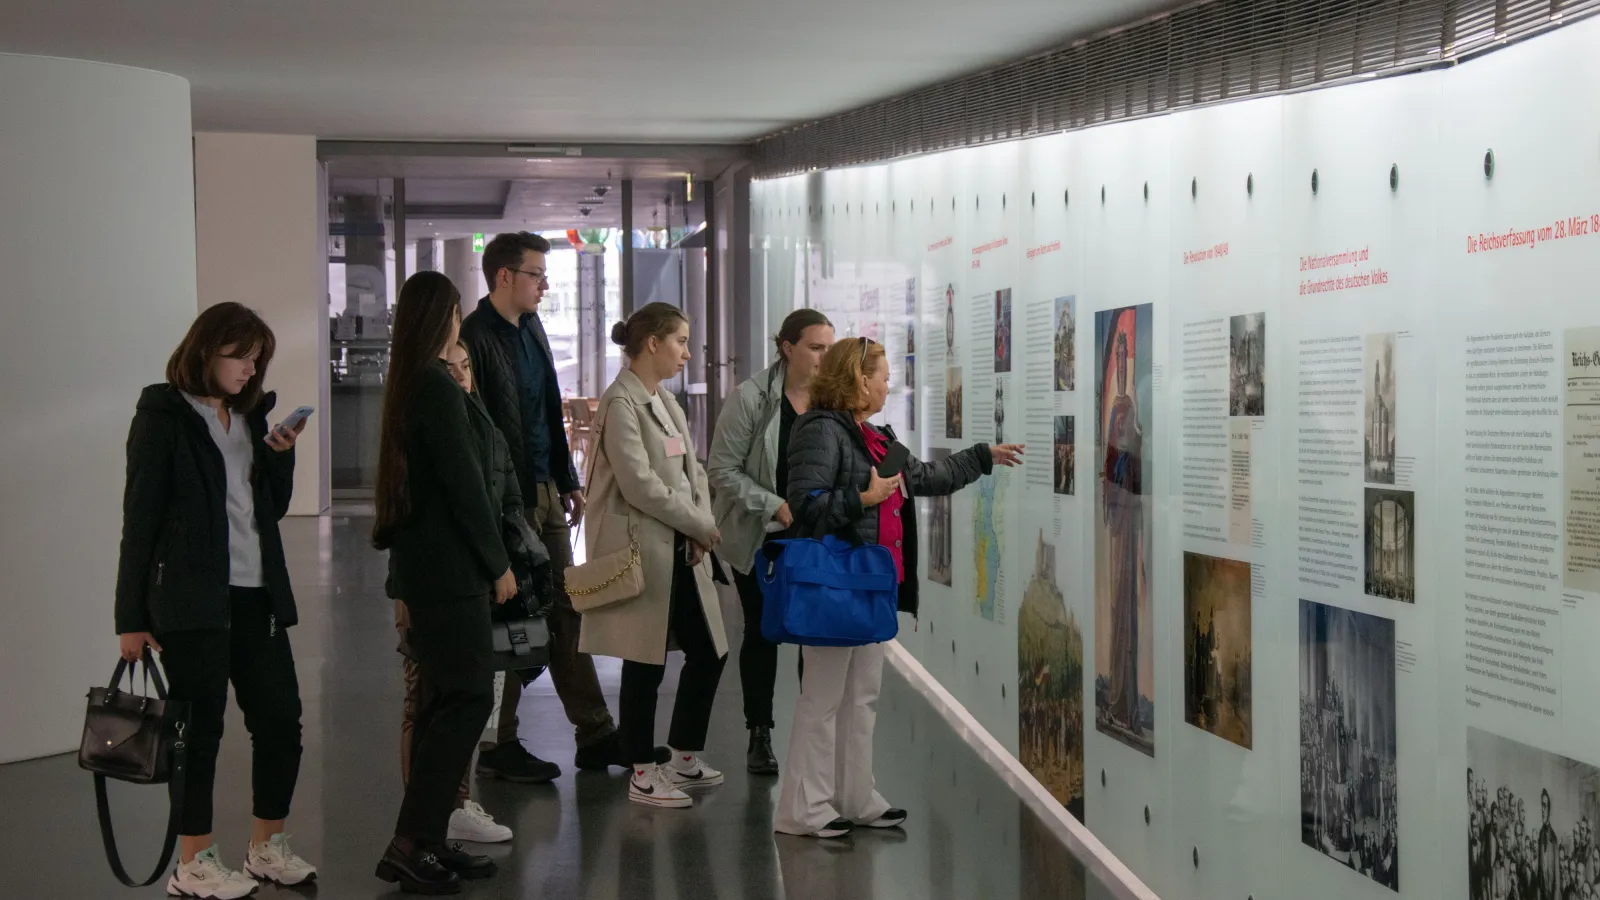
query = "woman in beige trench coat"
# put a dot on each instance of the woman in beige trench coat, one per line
(645, 482)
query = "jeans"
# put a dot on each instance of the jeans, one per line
(572, 672)
(758, 657)
(697, 683)
(254, 654)
(450, 639)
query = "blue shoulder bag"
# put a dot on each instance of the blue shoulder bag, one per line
(824, 591)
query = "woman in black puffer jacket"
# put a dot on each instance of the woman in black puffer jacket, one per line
(833, 481)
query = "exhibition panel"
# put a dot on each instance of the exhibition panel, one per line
(1308, 531)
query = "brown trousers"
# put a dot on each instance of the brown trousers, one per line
(572, 672)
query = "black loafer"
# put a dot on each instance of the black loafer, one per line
(469, 866)
(894, 818)
(417, 872)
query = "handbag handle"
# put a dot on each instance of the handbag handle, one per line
(176, 778)
(151, 672)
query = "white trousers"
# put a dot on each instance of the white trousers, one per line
(828, 773)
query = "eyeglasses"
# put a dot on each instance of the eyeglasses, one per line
(536, 276)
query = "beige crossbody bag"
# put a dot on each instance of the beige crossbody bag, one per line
(616, 576)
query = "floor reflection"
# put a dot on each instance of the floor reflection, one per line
(968, 835)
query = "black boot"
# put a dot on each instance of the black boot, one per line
(416, 869)
(759, 759)
(469, 866)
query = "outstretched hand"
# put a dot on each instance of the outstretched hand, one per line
(1006, 454)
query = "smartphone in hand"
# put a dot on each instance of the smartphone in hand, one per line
(293, 421)
(894, 460)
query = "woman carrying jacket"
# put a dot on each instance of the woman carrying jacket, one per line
(646, 487)
(470, 821)
(834, 483)
(202, 579)
(749, 474)
(446, 561)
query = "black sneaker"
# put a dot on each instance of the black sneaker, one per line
(894, 818)
(512, 762)
(468, 866)
(607, 752)
(759, 759)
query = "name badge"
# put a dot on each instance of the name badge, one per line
(675, 445)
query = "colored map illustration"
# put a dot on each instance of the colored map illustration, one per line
(988, 545)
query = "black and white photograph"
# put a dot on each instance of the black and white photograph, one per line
(1531, 818)
(1066, 456)
(1247, 365)
(999, 411)
(1348, 760)
(911, 337)
(939, 538)
(1391, 544)
(1066, 361)
(1380, 389)
(1002, 330)
(952, 404)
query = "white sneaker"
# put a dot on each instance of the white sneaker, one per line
(471, 823)
(207, 877)
(652, 786)
(274, 861)
(688, 771)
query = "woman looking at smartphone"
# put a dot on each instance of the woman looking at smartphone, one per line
(447, 561)
(202, 580)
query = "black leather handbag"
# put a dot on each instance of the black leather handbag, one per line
(521, 637)
(137, 738)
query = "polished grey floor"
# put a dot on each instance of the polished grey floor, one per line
(969, 836)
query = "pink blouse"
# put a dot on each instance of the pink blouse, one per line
(891, 528)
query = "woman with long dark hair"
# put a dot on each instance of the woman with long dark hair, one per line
(447, 562)
(203, 581)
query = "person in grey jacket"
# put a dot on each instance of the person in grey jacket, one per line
(834, 485)
(749, 475)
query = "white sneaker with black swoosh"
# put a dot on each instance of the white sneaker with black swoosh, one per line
(206, 877)
(652, 786)
(688, 771)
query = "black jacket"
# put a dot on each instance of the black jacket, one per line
(829, 467)
(492, 343)
(174, 565)
(450, 545)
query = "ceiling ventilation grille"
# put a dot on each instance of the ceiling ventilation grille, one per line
(1207, 53)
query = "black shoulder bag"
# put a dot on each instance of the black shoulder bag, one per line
(520, 635)
(138, 739)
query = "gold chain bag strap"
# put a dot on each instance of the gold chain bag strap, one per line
(615, 576)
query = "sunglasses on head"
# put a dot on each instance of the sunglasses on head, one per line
(865, 343)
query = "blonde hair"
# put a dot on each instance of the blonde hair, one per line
(837, 384)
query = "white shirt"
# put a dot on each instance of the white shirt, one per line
(664, 418)
(238, 459)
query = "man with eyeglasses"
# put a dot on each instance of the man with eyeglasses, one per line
(516, 377)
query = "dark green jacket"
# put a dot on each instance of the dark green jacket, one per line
(173, 571)
(450, 545)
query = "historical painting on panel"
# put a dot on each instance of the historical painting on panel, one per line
(1123, 526)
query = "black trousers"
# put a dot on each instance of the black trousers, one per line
(758, 657)
(697, 683)
(451, 642)
(254, 654)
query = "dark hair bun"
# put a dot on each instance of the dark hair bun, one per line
(619, 334)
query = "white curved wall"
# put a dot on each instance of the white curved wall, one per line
(97, 284)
